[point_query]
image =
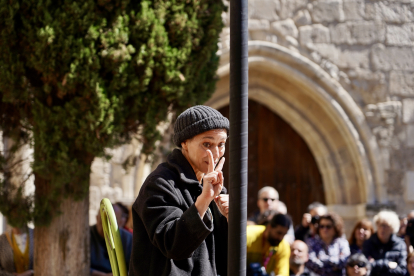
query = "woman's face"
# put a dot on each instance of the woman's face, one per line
(410, 265)
(195, 149)
(356, 271)
(362, 234)
(326, 229)
(384, 231)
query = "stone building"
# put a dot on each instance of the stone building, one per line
(340, 74)
(331, 88)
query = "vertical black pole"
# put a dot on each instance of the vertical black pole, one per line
(238, 140)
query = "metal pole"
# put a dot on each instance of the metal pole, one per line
(239, 136)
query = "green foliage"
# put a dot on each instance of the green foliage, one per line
(77, 77)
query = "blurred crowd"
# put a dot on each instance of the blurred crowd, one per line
(317, 246)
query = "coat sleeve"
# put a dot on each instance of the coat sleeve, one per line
(171, 227)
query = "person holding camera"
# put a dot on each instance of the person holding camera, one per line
(310, 221)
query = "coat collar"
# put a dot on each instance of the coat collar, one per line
(177, 160)
(393, 239)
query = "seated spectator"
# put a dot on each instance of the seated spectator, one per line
(403, 224)
(267, 199)
(269, 204)
(309, 223)
(100, 264)
(265, 218)
(410, 264)
(266, 246)
(328, 250)
(357, 265)
(409, 236)
(16, 252)
(361, 232)
(122, 216)
(386, 252)
(299, 255)
(403, 227)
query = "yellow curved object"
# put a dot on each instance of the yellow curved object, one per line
(113, 238)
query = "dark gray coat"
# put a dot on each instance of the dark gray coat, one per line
(393, 251)
(169, 236)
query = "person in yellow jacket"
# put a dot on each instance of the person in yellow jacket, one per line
(266, 246)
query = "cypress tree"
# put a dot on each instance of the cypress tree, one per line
(77, 77)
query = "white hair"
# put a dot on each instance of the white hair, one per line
(388, 217)
(267, 189)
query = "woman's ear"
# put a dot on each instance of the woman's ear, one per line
(184, 145)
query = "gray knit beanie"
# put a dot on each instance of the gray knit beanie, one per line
(196, 120)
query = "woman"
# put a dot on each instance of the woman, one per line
(180, 215)
(386, 252)
(410, 264)
(361, 232)
(328, 250)
(357, 264)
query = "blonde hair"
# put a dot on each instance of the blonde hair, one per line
(390, 218)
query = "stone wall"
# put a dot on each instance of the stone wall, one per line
(365, 46)
(368, 47)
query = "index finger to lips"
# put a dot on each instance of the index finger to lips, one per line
(220, 164)
(210, 162)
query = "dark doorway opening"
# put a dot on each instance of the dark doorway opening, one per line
(280, 158)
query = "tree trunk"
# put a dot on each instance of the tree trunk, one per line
(63, 248)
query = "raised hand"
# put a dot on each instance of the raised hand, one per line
(213, 179)
(212, 185)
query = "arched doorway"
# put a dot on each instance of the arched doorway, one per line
(324, 114)
(280, 158)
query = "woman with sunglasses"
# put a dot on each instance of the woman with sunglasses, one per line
(358, 265)
(361, 232)
(328, 250)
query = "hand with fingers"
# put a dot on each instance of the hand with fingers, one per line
(222, 202)
(213, 179)
(212, 185)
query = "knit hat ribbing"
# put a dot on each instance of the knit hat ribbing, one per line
(196, 120)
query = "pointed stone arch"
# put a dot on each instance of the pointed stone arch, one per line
(324, 114)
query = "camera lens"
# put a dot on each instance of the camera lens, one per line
(315, 219)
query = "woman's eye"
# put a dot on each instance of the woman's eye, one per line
(207, 145)
(222, 145)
